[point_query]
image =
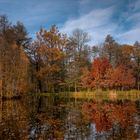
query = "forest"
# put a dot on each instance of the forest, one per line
(57, 62)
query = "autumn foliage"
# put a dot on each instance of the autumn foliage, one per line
(122, 77)
(103, 75)
(100, 72)
(107, 114)
(54, 62)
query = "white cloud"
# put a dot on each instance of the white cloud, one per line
(130, 36)
(135, 17)
(97, 23)
(95, 17)
(133, 33)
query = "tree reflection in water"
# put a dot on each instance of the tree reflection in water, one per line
(116, 120)
(13, 121)
(53, 118)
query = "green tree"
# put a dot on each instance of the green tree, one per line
(78, 52)
(110, 50)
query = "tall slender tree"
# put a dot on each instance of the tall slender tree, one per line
(78, 58)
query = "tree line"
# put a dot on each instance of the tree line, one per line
(56, 62)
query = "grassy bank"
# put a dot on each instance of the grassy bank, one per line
(98, 94)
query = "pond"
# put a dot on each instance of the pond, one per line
(55, 118)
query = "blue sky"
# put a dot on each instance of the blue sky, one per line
(120, 18)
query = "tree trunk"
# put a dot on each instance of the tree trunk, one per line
(0, 88)
(138, 83)
(39, 86)
(75, 87)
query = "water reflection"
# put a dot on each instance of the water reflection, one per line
(13, 120)
(116, 120)
(54, 118)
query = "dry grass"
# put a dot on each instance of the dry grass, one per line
(99, 95)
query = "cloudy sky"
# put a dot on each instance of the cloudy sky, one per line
(120, 18)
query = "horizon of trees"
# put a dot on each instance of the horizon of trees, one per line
(55, 62)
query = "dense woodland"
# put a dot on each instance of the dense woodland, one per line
(56, 62)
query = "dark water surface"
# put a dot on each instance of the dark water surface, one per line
(54, 118)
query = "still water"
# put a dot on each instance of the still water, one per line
(54, 118)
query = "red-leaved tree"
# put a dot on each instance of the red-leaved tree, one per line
(101, 69)
(122, 77)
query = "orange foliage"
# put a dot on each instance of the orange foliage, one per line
(101, 69)
(103, 75)
(122, 77)
(48, 57)
(105, 115)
